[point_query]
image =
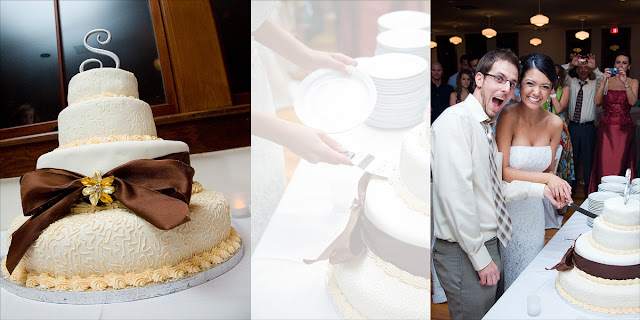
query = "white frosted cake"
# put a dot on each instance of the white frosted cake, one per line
(604, 271)
(109, 246)
(391, 280)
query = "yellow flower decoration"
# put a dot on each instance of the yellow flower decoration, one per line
(98, 188)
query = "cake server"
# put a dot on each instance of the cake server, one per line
(371, 164)
(583, 211)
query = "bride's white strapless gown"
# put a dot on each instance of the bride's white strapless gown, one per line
(527, 216)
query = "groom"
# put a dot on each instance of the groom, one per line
(468, 191)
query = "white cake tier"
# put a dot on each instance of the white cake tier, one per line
(392, 215)
(102, 157)
(105, 116)
(617, 212)
(102, 81)
(598, 294)
(585, 247)
(413, 167)
(616, 237)
(371, 288)
(118, 241)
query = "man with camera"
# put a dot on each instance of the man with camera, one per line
(582, 112)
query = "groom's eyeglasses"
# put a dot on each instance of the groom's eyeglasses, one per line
(501, 80)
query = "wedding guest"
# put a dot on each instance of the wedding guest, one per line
(469, 194)
(582, 112)
(559, 99)
(528, 137)
(464, 64)
(440, 91)
(463, 85)
(615, 146)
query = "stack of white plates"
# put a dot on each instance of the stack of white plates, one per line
(613, 179)
(404, 19)
(596, 203)
(402, 40)
(612, 187)
(635, 189)
(635, 182)
(401, 83)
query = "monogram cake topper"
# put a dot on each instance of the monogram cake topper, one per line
(99, 51)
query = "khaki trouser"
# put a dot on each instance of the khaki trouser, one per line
(467, 299)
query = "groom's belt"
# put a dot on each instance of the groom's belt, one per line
(582, 123)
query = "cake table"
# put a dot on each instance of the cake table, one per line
(311, 213)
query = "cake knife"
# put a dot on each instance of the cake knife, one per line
(371, 164)
(583, 211)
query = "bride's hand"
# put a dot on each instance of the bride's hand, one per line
(560, 189)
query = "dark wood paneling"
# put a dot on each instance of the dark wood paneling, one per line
(203, 131)
(196, 57)
(171, 106)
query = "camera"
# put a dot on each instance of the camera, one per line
(582, 61)
(614, 71)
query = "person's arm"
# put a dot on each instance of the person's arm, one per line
(452, 98)
(452, 163)
(598, 98)
(560, 105)
(285, 44)
(311, 144)
(630, 87)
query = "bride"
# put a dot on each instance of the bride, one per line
(528, 136)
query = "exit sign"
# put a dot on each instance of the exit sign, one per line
(613, 30)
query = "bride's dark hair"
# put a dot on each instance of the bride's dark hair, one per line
(541, 62)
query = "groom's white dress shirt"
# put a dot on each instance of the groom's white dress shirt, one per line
(463, 203)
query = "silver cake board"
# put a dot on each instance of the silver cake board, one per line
(124, 295)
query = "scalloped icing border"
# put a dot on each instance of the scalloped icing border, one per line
(589, 307)
(612, 251)
(198, 263)
(97, 140)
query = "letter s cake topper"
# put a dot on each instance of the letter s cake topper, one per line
(99, 51)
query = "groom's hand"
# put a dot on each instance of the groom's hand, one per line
(490, 275)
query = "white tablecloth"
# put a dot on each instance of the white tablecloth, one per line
(225, 297)
(312, 212)
(536, 280)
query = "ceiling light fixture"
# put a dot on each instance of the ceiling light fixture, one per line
(539, 19)
(535, 42)
(455, 39)
(488, 32)
(582, 34)
(433, 44)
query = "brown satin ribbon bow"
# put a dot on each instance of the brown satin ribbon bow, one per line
(157, 190)
(349, 244)
(573, 259)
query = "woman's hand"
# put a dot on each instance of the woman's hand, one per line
(560, 189)
(314, 145)
(606, 73)
(320, 59)
(623, 77)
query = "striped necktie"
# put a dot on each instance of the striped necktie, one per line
(504, 221)
(577, 111)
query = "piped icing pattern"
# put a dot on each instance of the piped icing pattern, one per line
(201, 262)
(97, 140)
(118, 241)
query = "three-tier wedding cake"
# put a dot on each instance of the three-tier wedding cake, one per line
(390, 279)
(602, 272)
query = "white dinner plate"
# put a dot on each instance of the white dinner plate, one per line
(404, 19)
(613, 179)
(601, 196)
(635, 182)
(396, 66)
(403, 38)
(334, 102)
(613, 187)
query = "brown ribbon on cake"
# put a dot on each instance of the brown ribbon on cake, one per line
(157, 190)
(573, 259)
(360, 234)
